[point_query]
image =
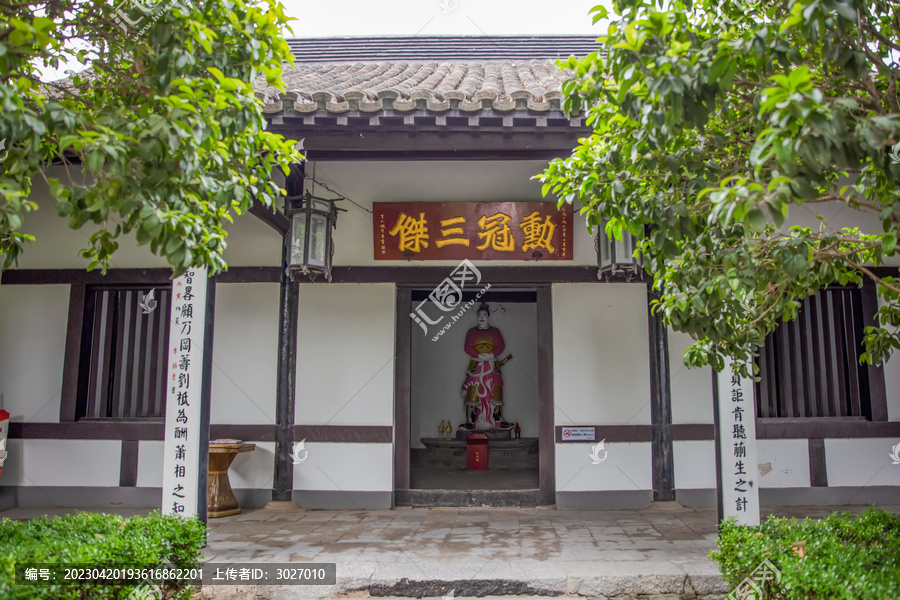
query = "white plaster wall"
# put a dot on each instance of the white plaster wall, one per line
(836, 216)
(245, 353)
(253, 243)
(695, 464)
(33, 321)
(861, 462)
(250, 241)
(691, 389)
(600, 354)
(789, 460)
(892, 382)
(849, 462)
(627, 467)
(346, 467)
(90, 463)
(345, 354)
(56, 246)
(439, 367)
(432, 181)
(892, 386)
(12, 467)
(150, 464)
(255, 469)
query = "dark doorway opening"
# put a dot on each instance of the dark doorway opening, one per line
(432, 471)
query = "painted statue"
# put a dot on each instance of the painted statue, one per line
(482, 390)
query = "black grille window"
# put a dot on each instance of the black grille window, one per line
(126, 332)
(810, 366)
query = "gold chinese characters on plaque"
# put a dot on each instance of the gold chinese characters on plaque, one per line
(481, 230)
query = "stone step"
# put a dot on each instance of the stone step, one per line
(612, 582)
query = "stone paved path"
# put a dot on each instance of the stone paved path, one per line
(660, 552)
(478, 551)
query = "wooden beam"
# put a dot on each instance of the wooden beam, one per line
(152, 429)
(439, 142)
(350, 434)
(543, 154)
(419, 274)
(414, 273)
(153, 277)
(825, 428)
(276, 220)
(610, 433)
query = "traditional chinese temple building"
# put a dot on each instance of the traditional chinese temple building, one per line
(416, 205)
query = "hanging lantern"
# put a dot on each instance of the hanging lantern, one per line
(312, 247)
(616, 257)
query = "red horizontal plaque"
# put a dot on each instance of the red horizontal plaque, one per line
(480, 230)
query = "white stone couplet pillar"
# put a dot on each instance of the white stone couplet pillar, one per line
(183, 491)
(739, 475)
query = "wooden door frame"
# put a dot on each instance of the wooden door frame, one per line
(403, 390)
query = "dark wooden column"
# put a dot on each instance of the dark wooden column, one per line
(546, 416)
(74, 365)
(660, 404)
(402, 389)
(289, 305)
(717, 432)
(206, 395)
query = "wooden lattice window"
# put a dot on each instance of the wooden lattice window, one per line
(123, 356)
(810, 366)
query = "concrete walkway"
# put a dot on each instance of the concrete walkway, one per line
(659, 552)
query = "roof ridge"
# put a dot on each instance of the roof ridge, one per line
(389, 49)
(426, 37)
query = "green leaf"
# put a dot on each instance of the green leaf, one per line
(757, 219)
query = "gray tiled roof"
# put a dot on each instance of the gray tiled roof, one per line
(433, 86)
(483, 77)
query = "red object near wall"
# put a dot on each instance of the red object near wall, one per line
(4, 432)
(477, 452)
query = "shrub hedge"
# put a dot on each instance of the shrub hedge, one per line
(96, 539)
(840, 557)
